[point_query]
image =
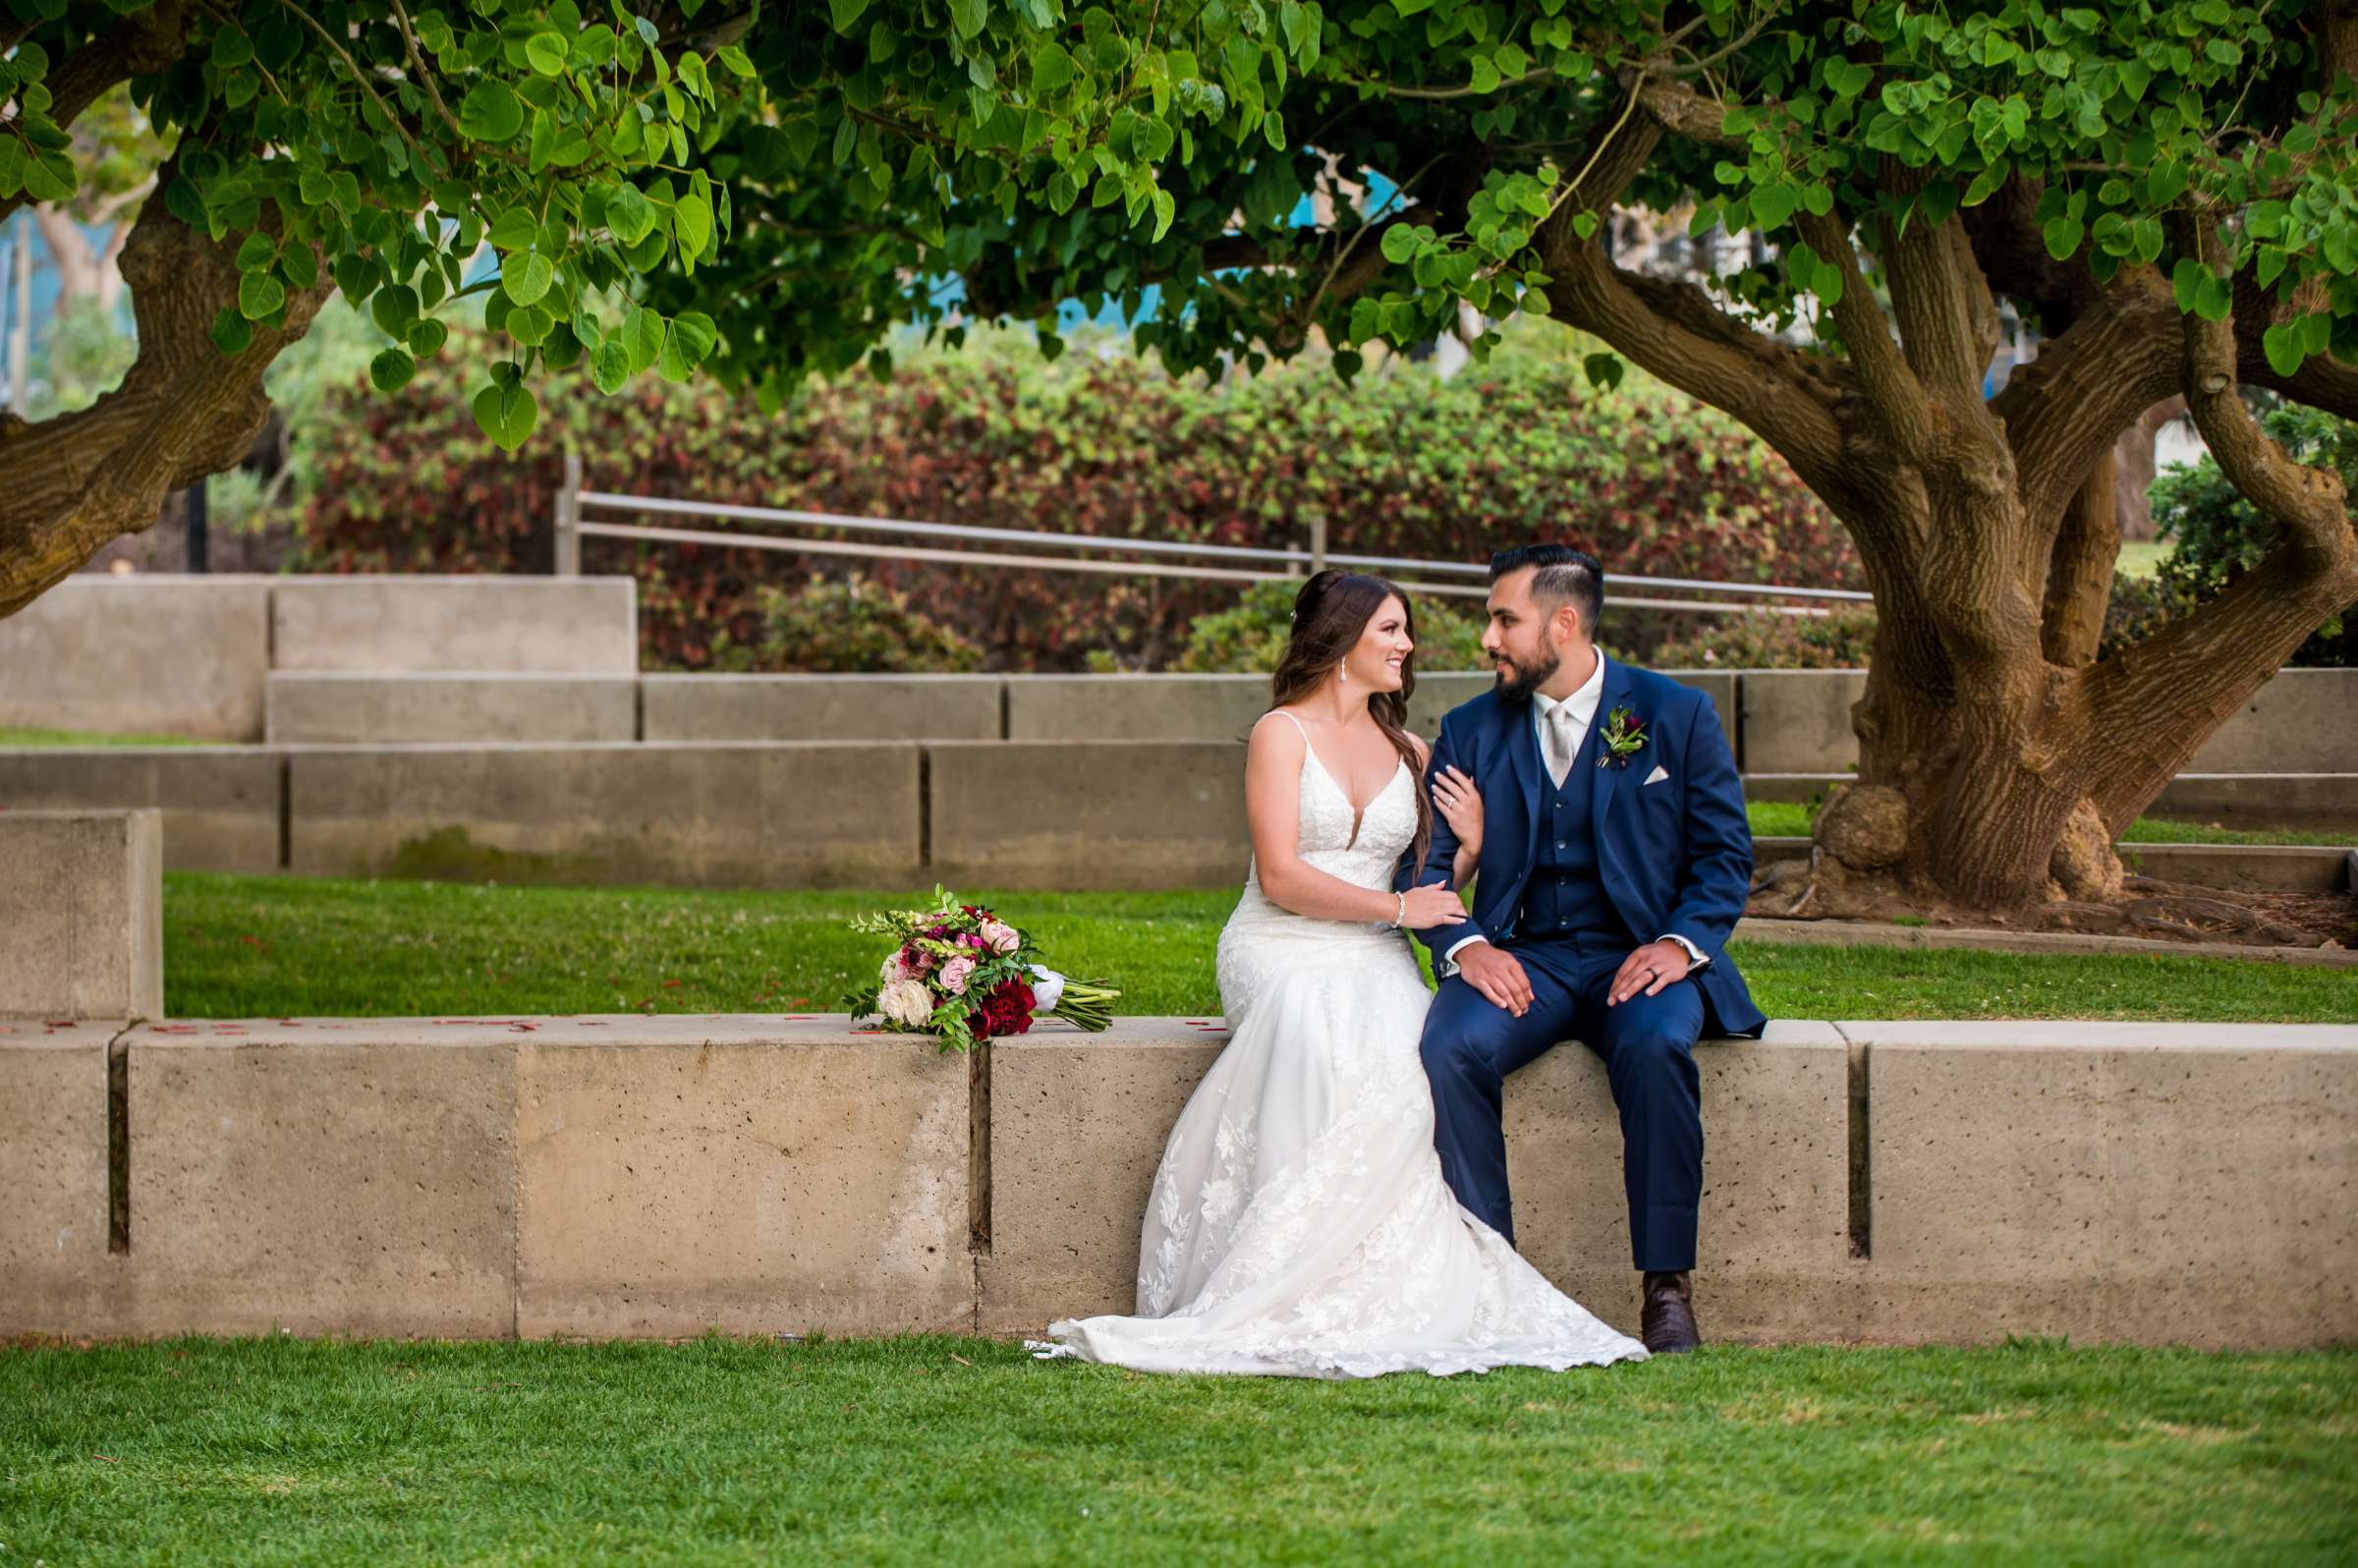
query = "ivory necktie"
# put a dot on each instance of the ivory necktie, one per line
(1558, 730)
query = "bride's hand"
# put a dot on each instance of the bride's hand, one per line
(1433, 905)
(1458, 801)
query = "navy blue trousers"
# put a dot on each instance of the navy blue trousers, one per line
(1648, 1044)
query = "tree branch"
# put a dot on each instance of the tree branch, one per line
(1940, 297)
(1889, 381)
(1676, 332)
(2063, 410)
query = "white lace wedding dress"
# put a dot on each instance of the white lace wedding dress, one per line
(1298, 1224)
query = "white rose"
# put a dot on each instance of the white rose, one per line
(892, 970)
(906, 1001)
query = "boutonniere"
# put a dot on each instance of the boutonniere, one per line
(1623, 737)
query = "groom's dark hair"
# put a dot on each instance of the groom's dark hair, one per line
(1565, 575)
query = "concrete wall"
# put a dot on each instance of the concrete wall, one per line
(1896, 1183)
(742, 1175)
(1798, 721)
(309, 707)
(56, 1273)
(358, 1182)
(2163, 1183)
(81, 914)
(220, 804)
(718, 815)
(142, 655)
(1088, 814)
(821, 707)
(1077, 1126)
(581, 625)
(486, 1178)
(1223, 707)
(2257, 868)
(2302, 721)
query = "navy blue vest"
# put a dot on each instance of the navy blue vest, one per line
(1565, 898)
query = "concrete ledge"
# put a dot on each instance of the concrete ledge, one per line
(2250, 867)
(340, 706)
(1077, 1125)
(356, 1183)
(55, 1273)
(741, 1174)
(1868, 934)
(2263, 799)
(220, 804)
(1877, 1182)
(1774, 1243)
(2302, 721)
(701, 816)
(1090, 815)
(81, 914)
(1798, 721)
(1224, 707)
(2163, 1183)
(141, 656)
(2229, 799)
(821, 707)
(583, 625)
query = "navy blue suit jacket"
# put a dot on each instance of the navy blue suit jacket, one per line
(1676, 856)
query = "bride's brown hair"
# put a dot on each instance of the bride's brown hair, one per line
(1331, 615)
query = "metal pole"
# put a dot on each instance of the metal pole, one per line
(1318, 543)
(568, 561)
(193, 508)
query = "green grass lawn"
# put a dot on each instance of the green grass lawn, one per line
(2143, 557)
(17, 735)
(275, 947)
(1792, 818)
(967, 1452)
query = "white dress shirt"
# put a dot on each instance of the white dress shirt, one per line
(1579, 713)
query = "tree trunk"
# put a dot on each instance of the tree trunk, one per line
(185, 409)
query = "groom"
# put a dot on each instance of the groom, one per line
(1615, 859)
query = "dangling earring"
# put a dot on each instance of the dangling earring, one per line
(1342, 674)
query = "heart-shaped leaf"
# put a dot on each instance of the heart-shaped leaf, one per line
(506, 414)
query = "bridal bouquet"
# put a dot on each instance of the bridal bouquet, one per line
(961, 974)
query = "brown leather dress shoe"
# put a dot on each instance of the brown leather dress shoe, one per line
(1668, 1322)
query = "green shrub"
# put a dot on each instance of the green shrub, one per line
(2220, 535)
(1841, 640)
(1250, 638)
(843, 626)
(1400, 464)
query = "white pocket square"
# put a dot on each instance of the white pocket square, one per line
(1657, 776)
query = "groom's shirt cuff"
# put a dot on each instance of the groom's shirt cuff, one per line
(1463, 942)
(1696, 957)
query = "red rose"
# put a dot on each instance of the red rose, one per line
(1007, 1010)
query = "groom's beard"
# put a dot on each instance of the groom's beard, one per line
(1518, 679)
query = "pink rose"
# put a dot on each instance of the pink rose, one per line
(1000, 936)
(954, 972)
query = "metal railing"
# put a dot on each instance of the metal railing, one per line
(1174, 558)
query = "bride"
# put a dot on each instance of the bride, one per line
(1300, 1225)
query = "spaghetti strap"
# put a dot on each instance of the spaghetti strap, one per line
(1297, 723)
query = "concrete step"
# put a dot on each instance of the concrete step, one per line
(483, 707)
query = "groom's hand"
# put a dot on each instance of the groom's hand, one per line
(1496, 975)
(1647, 969)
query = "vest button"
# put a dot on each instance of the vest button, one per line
(1560, 844)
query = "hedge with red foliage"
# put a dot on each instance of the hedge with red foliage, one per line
(1401, 464)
